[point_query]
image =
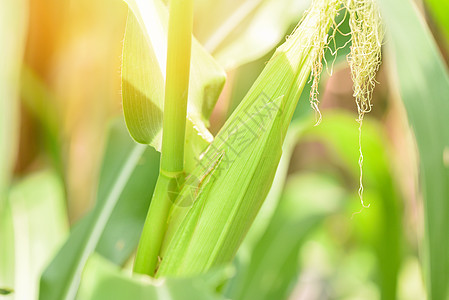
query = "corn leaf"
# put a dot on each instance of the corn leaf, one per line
(39, 225)
(423, 83)
(143, 78)
(237, 32)
(127, 179)
(104, 281)
(36, 96)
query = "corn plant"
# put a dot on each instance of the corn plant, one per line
(197, 215)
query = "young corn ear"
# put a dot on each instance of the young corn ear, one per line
(222, 196)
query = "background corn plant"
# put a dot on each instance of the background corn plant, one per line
(68, 159)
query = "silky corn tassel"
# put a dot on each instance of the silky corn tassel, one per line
(364, 61)
(365, 57)
(318, 43)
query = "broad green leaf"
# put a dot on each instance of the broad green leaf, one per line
(423, 83)
(223, 194)
(237, 32)
(143, 77)
(274, 267)
(380, 225)
(38, 223)
(113, 227)
(103, 280)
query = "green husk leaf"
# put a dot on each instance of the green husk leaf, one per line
(423, 83)
(262, 221)
(113, 227)
(222, 196)
(143, 78)
(271, 202)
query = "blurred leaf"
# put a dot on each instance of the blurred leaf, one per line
(121, 235)
(7, 256)
(103, 280)
(39, 226)
(411, 285)
(13, 23)
(113, 228)
(143, 77)
(6, 291)
(380, 225)
(237, 32)
(38, 100)
(274, 265)
(423, 83)
(439, 9)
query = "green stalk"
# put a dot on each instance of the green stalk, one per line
(171, 173)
